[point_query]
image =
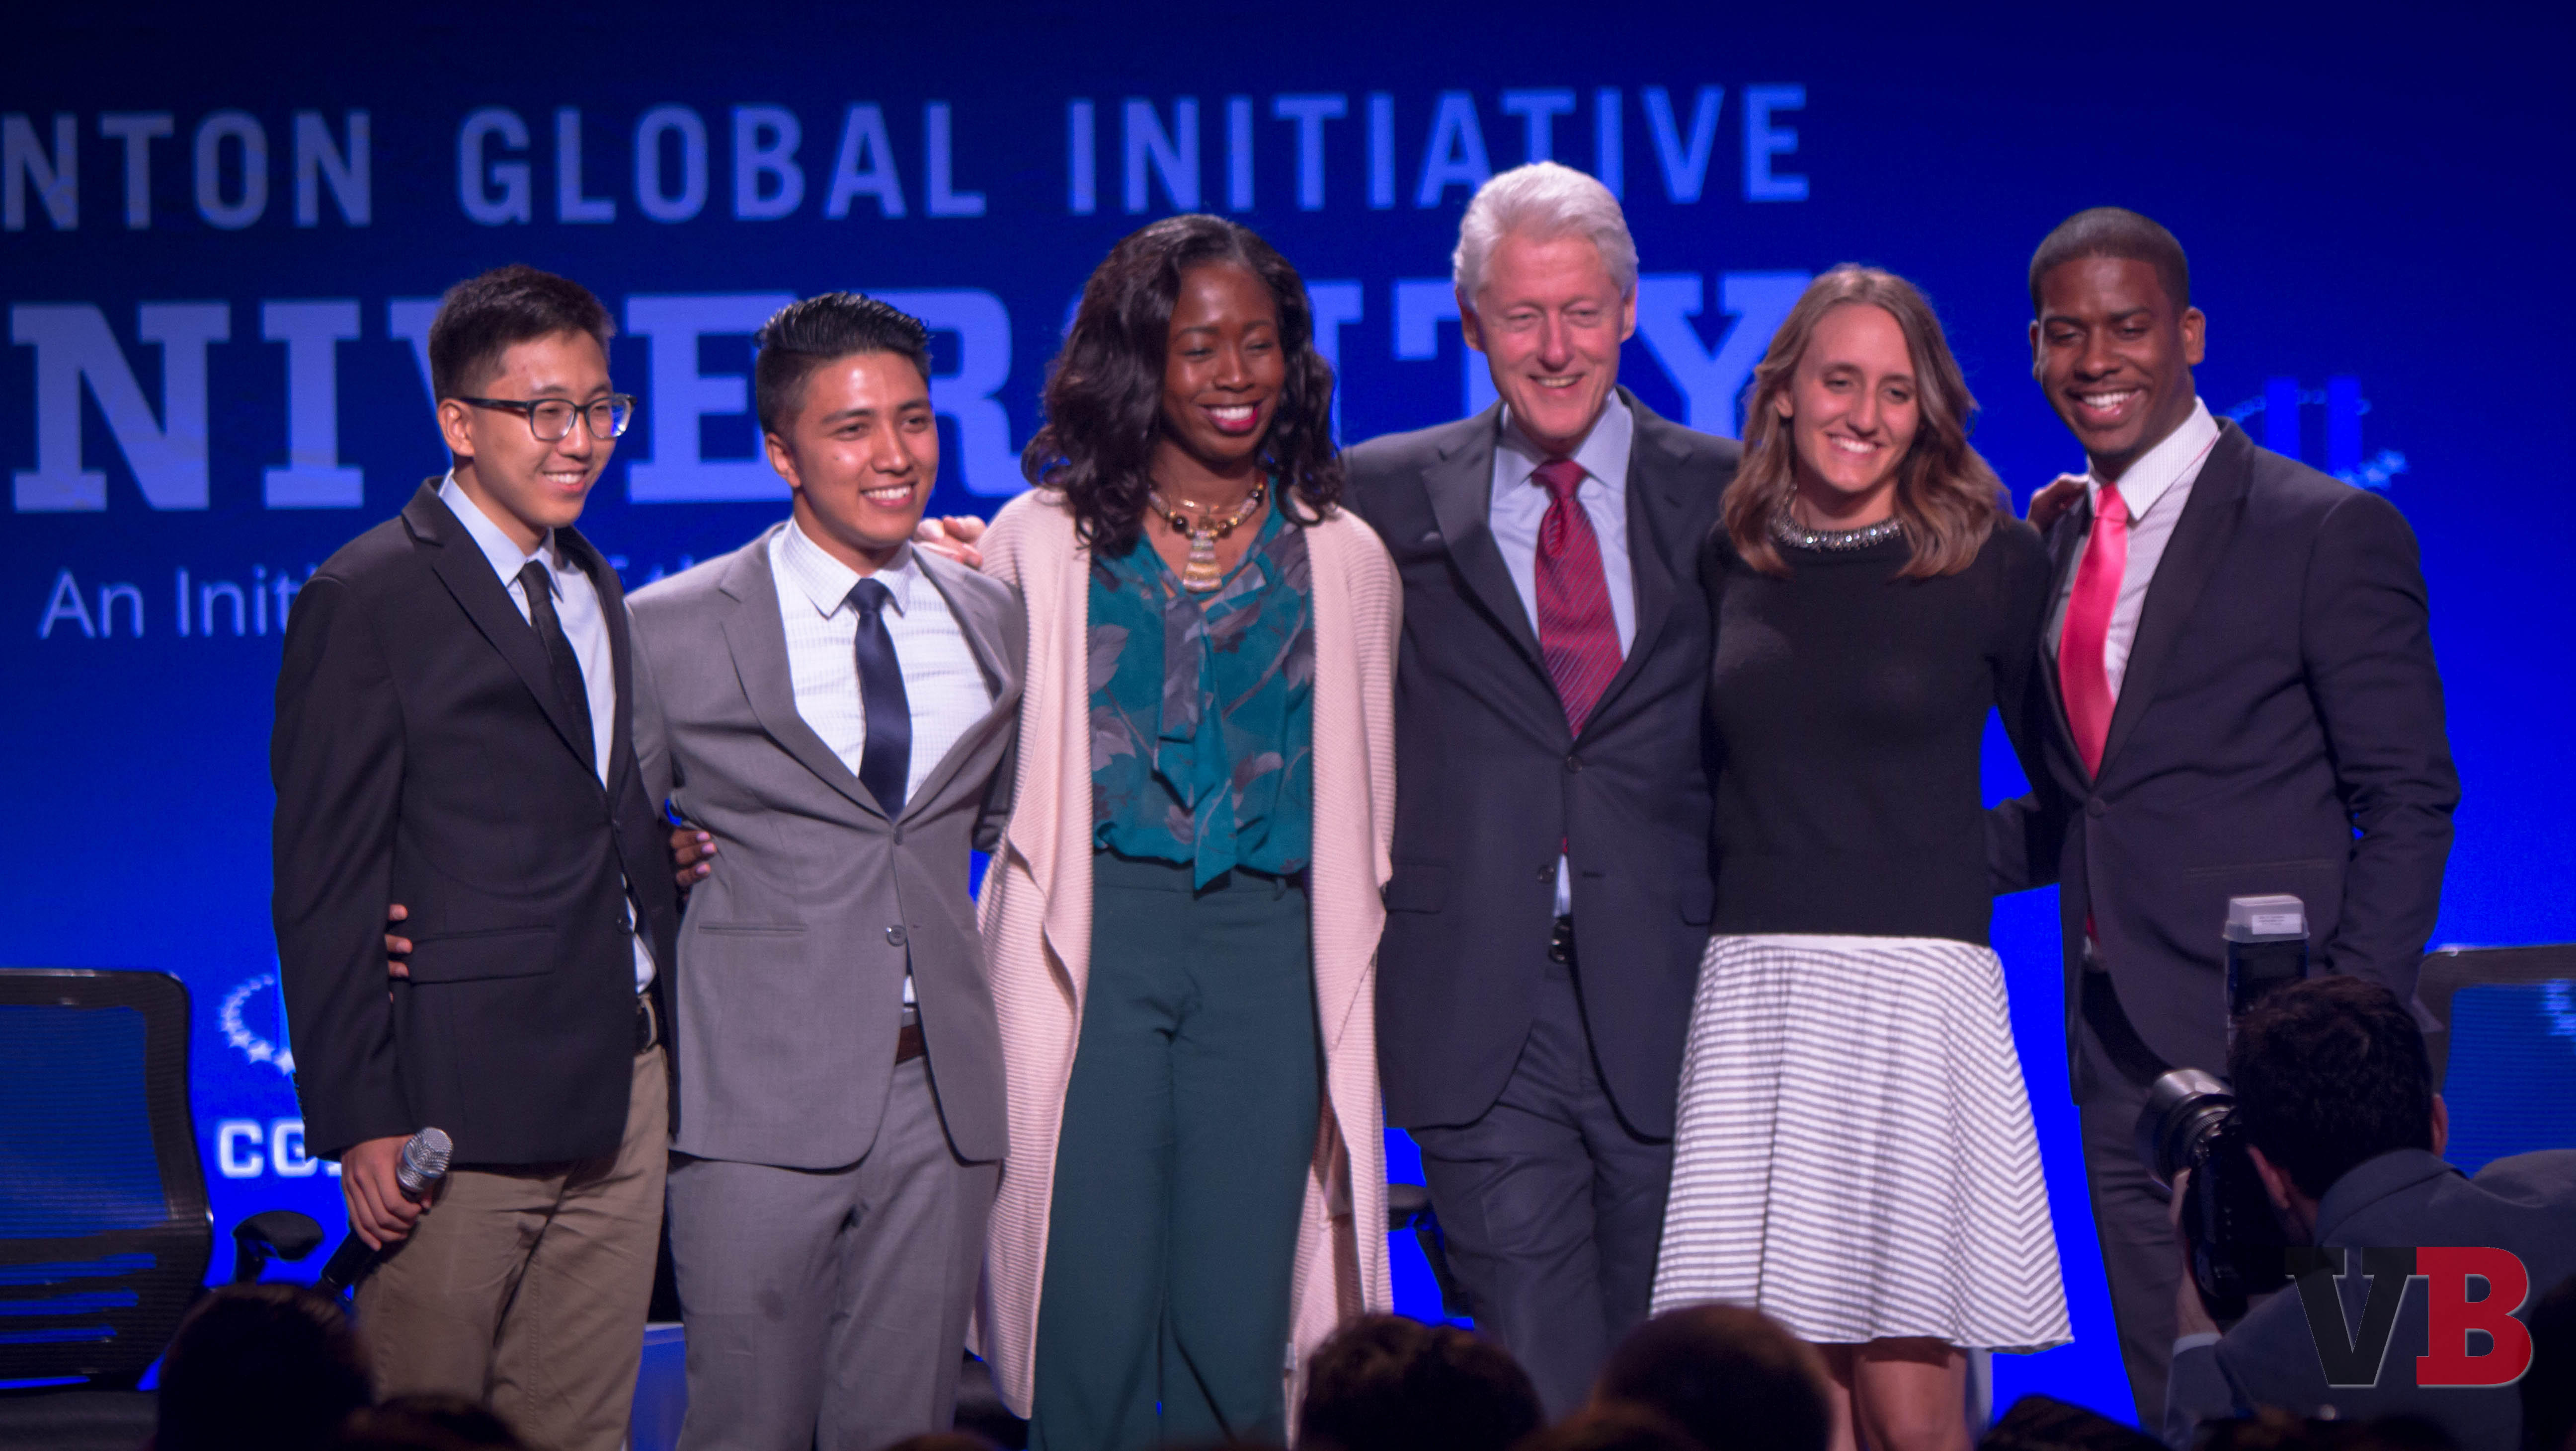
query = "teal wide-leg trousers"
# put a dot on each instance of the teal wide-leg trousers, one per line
(1189, 1125)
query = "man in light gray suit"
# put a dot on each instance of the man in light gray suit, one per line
(834, 711)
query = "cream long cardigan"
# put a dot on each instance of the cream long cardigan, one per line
(1036, 919)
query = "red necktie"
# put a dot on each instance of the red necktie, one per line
(2080, 671)
(1576, 631)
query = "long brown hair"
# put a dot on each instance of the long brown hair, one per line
(1947, 497)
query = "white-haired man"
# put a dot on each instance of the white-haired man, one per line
(1548, 735)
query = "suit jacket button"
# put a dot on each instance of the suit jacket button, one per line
(894, 934)
(2095, 807)
(898, 836)
(1547, 873)
(1573, 764)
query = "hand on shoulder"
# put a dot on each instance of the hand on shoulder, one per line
(2055, 501)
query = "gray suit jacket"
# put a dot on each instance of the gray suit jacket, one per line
(788, 992)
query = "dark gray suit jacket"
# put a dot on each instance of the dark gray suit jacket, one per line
(2526, 1204)
(422, 755)
(2279, 730)
(1491, 782)
(788, 992)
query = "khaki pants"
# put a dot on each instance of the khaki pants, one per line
(526, 1287)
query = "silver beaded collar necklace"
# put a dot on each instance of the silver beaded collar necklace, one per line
(1789, 531)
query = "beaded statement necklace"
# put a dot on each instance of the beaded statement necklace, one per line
(1201, 572)
(1789, 531)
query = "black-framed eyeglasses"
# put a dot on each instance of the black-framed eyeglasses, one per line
(550, 419)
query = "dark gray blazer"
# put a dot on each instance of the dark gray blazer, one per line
(1490, 782)
(2526, 1204)
(788, 992)
(2279, 730)
(422, 755)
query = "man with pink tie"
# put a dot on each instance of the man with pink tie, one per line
(2238, 696)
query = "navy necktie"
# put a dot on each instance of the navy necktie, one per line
(885, 766)
(561, 663)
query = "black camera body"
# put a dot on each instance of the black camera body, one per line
(2238, 1249)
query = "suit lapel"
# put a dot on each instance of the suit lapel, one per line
(461, 565)
(2066, 548)
(1655, 485)
(757, 641)
(1461, 486)
(2200, 536)
(984, 639)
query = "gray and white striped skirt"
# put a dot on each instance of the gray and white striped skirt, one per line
(1855, 1154)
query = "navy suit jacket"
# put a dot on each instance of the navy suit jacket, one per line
(2526, 1204)
(2279, 729)
(1491, 783)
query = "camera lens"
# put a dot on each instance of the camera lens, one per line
(2183, 1108)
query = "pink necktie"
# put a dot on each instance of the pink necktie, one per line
(1576, 631)
(2080, 671)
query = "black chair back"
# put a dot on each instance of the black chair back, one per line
(104, 1229)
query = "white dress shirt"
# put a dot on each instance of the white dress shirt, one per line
(2155, 489)
(942, 684)
(1520, 505)
(578, 609)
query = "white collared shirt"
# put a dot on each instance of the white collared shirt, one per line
(2155, 489)
(942, 684)
(585, 626)
(1519, 507)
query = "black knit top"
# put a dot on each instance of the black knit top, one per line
(1849, 709)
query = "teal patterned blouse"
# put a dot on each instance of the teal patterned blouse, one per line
(1202, 710)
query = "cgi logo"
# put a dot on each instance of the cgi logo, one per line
(253, 1021)
(2355, 1359)
(262, 993)
(246, 1148)
(2344, 406)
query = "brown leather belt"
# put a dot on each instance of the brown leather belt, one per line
(907, 1043)
(648, 1023)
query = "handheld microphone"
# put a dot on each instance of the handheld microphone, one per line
(423, 1164)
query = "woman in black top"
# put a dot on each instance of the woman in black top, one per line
(1855, 1154)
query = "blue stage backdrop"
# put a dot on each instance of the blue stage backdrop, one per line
(223, 246)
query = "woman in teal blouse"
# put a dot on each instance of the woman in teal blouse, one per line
(1188, 436)
(1201, 720)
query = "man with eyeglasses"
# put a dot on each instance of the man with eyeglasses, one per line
(454, 733)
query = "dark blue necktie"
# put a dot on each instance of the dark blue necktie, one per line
(886, 763)
(561, 662)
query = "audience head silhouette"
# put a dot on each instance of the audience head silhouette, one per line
(2038, 1423)
(2549, 1386)
(1727, 1375)
(260, 1368)
(1386, 1383)
(2275, 1430)
(428, 1421)
(1622, 1427)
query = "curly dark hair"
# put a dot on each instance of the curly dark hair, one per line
(2330, 1073)
(1104, 395)
(1387, 1383)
